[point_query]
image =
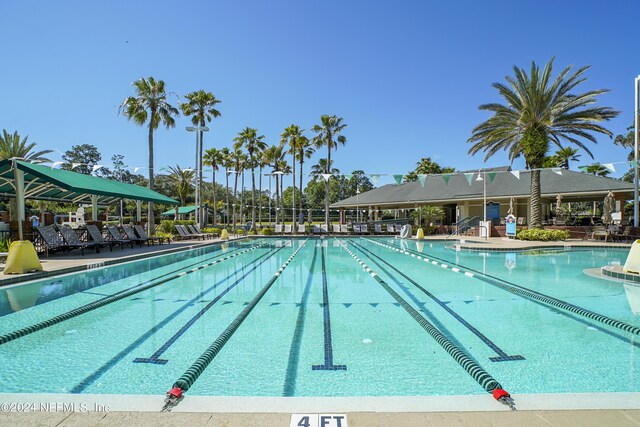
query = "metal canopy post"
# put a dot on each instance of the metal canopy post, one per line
(19, 185)
(94, 208)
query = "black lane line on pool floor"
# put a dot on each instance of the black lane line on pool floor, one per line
(19, 333)
(502, 355)
(289, 388)
(524, 292)
(466, 362)
(196, 369)
(154, 358)
(326, 315)
(121, 355)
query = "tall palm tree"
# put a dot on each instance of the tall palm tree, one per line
(12, 145)
(249, 140)
(214, 158)
(149, 106)
(274, 156)
(182, 179)
(305, 151)
(238, 159)
(200, 106)
(540, 111)
(291, 137)
(328, 135)
(597, 169)
(227, 162)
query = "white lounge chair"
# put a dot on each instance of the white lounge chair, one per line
(364, 229)
(398, 228)
(378, 228)
(278, 229)
(288, 229)
(336, 228)
(316, 229)
(344, 229)
(390, 229)
(324, 228)
(356, 228)
(301, 229)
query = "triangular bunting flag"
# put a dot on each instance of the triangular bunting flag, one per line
(610, 167)
(56, 164)
(326, 176)
(469, 177)
(422, 179)
(492, 176)
(583, 168)
(446, 177)
(398, 179)
(163, 169)
(633, 163)
(75, 165)
(136, 169)
(516, 174)
(348, 175)
(96, 167)
(375, 179)
(557, 170)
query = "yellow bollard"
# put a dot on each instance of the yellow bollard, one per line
(22, 258)
(420, 234)
(224, 235)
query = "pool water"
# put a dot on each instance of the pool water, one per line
(326, 326)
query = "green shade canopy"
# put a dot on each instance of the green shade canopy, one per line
(182, 210)
(45, 183)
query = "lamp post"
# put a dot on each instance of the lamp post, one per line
(635, 156)
(198, 130)
(483, 178)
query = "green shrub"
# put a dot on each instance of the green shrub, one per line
(252, 232)
(213, 230)
(4, 245)
(240, 231)
(267, 231)
(542, 235)
(163, 234)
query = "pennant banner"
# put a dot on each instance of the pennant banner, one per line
(75, 165)
(375, 179)
(326, 176)
(96, 167)
(610, 167)
(446, 177)
(422, 179)
(492, 176)
(56, 164)
(469, 177)
(398, 179)
(348, 176)
(137, 168)
(516, 174)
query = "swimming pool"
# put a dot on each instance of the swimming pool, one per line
(326, 317)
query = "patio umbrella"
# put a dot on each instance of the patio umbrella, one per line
(609, 206)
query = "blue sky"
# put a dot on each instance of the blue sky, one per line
(406, 76)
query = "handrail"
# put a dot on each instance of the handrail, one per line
(462, 225)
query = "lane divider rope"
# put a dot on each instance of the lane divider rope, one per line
(482, 377)
(531, 294)
(19, 333)
(190, 376)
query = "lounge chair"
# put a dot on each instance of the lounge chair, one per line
(130, 233)
(277, 229)
(143, 235)
(117, 235)
(378, 228)
(600, 232)
(324, 228)
(316, 229)
(186, 234)
(302, 229)
(194, 231)
(288, 229)
(96, 236)
(71, 238)
(344, 229)
(336, 228)
(53, 241)
(364, 228)
(356, 229)
(390, 229)
(196, 227)
(398, 228)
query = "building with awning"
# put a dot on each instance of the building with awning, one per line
(23, 180)
(182, 210)
(463, 194)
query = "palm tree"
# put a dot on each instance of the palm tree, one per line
(227, 162)
(597, 169)
(214, 158)
(248, 138)
(427, 214)
(328, 135)
(238, 160)
(426, 166)
(273, 156)
(182, 179)
(292, 136)
(12, 145)
(200, 106)
(540, 111)
(149, 106)
(261, 164)
(321, 167)
(305, 150)
(562, 157)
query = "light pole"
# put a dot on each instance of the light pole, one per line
(198, 130)
(483, 178)
(635, 156)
